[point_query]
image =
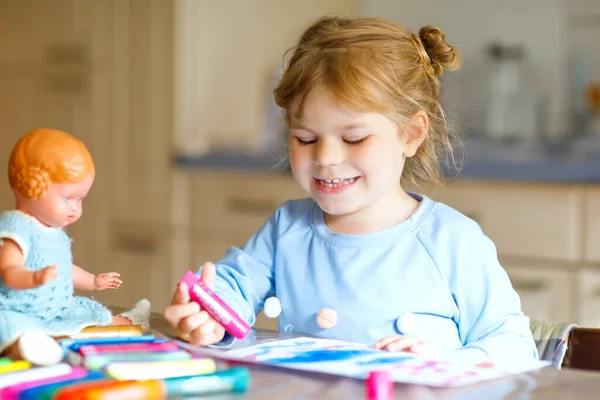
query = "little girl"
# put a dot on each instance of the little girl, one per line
(50, 173)
(362, 259)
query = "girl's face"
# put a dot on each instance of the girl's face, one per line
(348, 162)
(62, 205)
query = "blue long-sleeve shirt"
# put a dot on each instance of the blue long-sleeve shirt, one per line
(437, 267)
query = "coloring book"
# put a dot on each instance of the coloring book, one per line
(356, 360)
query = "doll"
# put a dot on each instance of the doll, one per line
(50, 173)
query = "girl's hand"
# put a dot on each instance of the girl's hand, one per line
(187, 319)
(405, 343)
(42, 276)
(107, 280)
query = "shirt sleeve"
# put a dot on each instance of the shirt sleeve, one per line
(491, 322)
(245, 276)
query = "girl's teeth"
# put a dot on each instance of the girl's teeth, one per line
(337, 182)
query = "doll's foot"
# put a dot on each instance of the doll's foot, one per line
(38, 348)
(139, 314)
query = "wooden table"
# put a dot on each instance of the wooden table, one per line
(547, 384)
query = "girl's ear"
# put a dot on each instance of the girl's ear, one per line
(416, 133)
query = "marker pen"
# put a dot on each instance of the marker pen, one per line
(32, 374)
(109, 331)
(47, 392)
(13, 366)
(124, 371)
(379, 386)
(12, 392)
(235, 380)
(75, 344)
(87, 350)
(211, 303)
(127, 390)
(99, 361)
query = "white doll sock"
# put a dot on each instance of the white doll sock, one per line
(38, 348)
(139, 314)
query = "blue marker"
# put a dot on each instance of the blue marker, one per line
(75, 344)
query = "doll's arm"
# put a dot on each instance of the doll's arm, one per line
(14, 274)
(82, 279)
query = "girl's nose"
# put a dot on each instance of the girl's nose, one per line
(328, 152)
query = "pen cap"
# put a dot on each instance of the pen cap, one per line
(189, 279)
(379, 386)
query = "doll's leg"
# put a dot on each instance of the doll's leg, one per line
(36, 347)
(138, 315)
(119, 320)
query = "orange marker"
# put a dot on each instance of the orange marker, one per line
(110, 390)
(109, 331)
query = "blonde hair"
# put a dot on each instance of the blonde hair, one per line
(46, 156)
(374, 65)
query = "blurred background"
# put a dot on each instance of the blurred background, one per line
(174, 100)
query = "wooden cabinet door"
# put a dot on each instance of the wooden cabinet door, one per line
(589, 298)
(143, 255)
(141, 110)
(546, 294)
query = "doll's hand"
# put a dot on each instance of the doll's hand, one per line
(107, 280)
(405, 343)
(188, 320)
(42, 276)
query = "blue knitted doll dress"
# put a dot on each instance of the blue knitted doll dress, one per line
(52, 307)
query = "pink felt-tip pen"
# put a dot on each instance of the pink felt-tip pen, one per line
(379, 386)
(13, 392)
(128, 348)
(216, 307)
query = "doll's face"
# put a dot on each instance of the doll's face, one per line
(62, 205)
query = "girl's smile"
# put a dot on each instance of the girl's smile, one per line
(335, 185)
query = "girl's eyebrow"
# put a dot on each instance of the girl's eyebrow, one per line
(295, 125)
(352, 126)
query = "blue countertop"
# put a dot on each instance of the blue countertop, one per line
(483, 161)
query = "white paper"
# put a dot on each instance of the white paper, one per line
(357, 360)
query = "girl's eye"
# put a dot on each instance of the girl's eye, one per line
(305, 142)
(79, 200)
(66, 199)
(356, 141)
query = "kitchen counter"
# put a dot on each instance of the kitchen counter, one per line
(559, 163)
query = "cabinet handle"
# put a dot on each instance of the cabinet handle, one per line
(132, 244)
(529, 286)
(245, 206)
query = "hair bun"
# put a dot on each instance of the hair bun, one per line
(441, 55)
(31, 182)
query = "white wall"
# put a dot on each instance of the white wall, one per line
(471, 24)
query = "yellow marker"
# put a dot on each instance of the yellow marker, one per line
(18, 365)
(126, 371)
(108, 331)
